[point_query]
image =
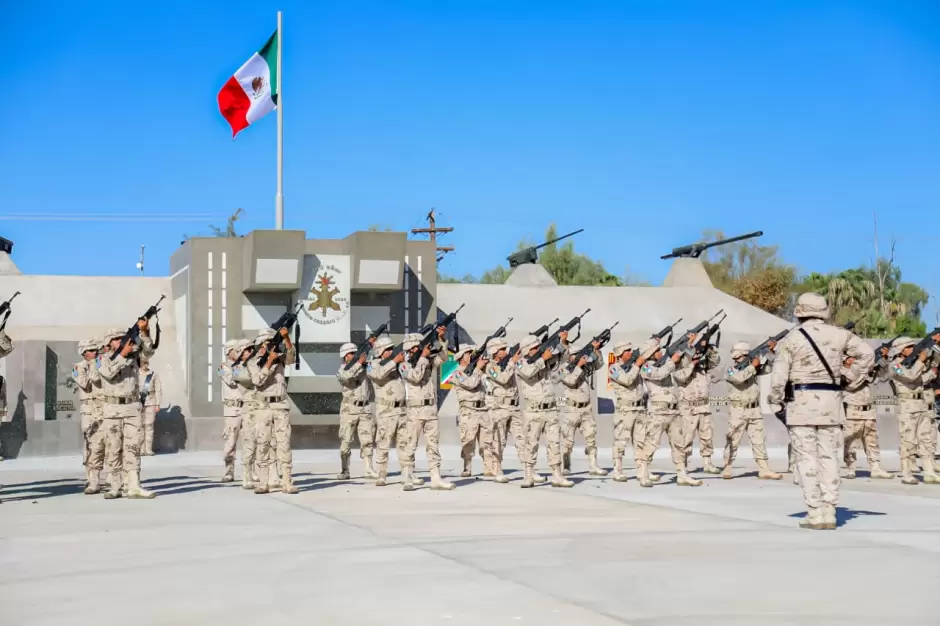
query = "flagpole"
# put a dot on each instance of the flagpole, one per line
(279, 198)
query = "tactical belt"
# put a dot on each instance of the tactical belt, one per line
(859, 407)
(672, 406)
(695, 403)
(817, 387)
(397, 404)
(542, 406)
(914, 396)
(274, 399)
(632, 404)
(473, 404)
(233, 403)
(359, 403)
(745, 405)
(115, 400)
(508, 401)
(426, 402)
(578, 405)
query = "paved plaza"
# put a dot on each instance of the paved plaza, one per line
(726, 553)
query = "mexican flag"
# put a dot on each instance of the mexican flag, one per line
(448, 369)
(252, 92)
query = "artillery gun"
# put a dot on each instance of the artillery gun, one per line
(695, 250)
(530, 254)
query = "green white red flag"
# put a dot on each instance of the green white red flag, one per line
(253, 91)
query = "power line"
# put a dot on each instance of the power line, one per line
(432, 230)
(72, 217)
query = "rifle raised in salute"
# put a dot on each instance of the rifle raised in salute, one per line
(133, 333)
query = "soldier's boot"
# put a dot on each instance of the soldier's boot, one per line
(828, 521)
(907, 472)
(407, 481)
(727, 473)
(114, 486)
(498, 475)
(849, 472)
(708, 467)
(649, 474)
(878, 472)
(643, 474)
(287, 483)
(416, 480)
(595, 469)
(92, 487)
(684, 480)
(488, 467)
(229, 475)
(538, 478)
(813, 519)
(930, 474)
(134, 490)
(529, 480)
(558, 477)
(438, 483)
(367, 470)
(467, 466)
(344, 463)
(248, 480)
(263, 486)
(764, 472)
(566, 462)
(87, 476)
(382, 475)
(618, 475)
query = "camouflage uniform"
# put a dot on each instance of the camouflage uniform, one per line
(745, 414)
(421, 384)
(6, 347)
(915, 413)
(355, 413)
(391, 421)
(860, 423)
(579, 414)
(503, 399)
(472, 409)
(630, 415)
(122, 415)
(694, 410)
(663, 408)
(236, 395)
(86, 377)
(540, 412)
(151, 394)
(813, 413)
(270, 414)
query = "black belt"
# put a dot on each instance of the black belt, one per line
(513, 402)
(745, 405)
(579, 405)
(864, 407)
(817, 387)
(544, 406)
(359, 403)
(397, 404)
(477, 404)
(634, 403)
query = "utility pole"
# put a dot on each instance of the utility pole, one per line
(140, 264)
(432, 230)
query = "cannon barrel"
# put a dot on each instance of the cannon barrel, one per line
(695, 250)
(530, 254)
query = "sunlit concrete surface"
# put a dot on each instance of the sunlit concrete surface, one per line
(728, 552)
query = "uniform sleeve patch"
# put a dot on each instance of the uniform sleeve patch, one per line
(730, 371)
(74, 372)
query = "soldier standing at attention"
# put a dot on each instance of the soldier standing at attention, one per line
(6, 347)
(663, 407)
(122, 411)
(390, 410)
(915, 411)
(578, 412)
(745, 414)
(808, 360)
(86, 376)
(151, 393)
(504, 400)
(233, 406)
(271, 413)
(419, 371)
(472, 402)
(355, 411)
(861, 425)
(630, 417)
(694, 410)
(539, 408)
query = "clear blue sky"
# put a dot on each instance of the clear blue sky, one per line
(642, 122)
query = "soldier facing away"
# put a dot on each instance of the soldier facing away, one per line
(805, 385)
(915, 411)
(355, 411)
(151, 396)
(86, 377)
(745, 413)
(578, 413)
(630, 416)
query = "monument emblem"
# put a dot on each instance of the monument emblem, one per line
(326, 298)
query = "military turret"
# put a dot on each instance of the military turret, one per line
(530, 254)
(695, 250)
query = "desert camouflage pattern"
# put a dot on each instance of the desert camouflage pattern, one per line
(355, 411)
(861, 427)
(694, 381)
(539, 407)
(152, 393)
(915, 409)
(390, 411)
(505, 411)
(6, 347)
(88, 380)
(663, 411)
(473, 418)
(744, 414)
(578, 411)
(237, 394)
(816, 449)
(630, 417)
(270, 417)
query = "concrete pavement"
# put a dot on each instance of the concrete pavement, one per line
(728, 552)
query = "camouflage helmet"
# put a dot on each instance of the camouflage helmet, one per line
(740, 348)
(811, 305)
(230, 346)
(113, 333)
(464, 349)
(899, 344)
(265, 335)
(89, 345)
(528, 342)
(381, 345)
(495, 345)
(347, 348)
(620, 347)
(650, 346)
(411, 340)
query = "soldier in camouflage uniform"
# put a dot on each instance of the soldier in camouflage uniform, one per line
(420, 373)
(539, 407)
(692, 376)
(503, 396)
(745, 413)
(355, 411)
(390, 411)
(122, 410)
(88, 380)
(809, 365)
(861, 425)
(630, 417)
(236, 389)
(915, 410)
(472, 408)
(578, 412)
(271, 409)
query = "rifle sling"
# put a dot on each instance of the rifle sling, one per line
(820, 355)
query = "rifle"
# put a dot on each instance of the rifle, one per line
(287, 320)
(541, 331)
(703, 344)
(366, 345)
(879, 359)
(761, 350)
(479, 352)
(133, 333)
(587, 351)
(5, 310)
(682, 343)
(428, 330)
(927, 343)
(555, 338)
(667, 331)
